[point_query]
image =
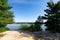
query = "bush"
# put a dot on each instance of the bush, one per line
(23, 27)
(2, 29)
(31, 28)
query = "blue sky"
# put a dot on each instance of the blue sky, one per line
(28, 10)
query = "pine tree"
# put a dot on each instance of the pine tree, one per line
(6, 16)
(53, 17)
(37, 25)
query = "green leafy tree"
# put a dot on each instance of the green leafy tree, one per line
(53, 17)
(6, 16)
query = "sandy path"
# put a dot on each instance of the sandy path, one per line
(15, 35)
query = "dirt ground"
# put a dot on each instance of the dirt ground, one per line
(26, 35)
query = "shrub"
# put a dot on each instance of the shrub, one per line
(23, 27)
(2, 29)
(31, 28)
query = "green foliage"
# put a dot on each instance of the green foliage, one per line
(6, 16)
(53, 16)
(31, 28)
(23, 27)
(34, 28)
(37, 25)
(2, 29)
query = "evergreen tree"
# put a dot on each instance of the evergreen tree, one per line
(6, 16)
(37, 25)
(53, 17)
(31, 28)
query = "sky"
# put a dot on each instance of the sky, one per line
(28, 10)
